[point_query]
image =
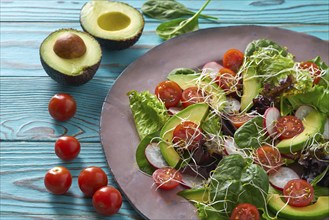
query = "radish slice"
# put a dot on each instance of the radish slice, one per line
(154, 156)
(231, 148)
(192, 181)
(232, 106)
(174, 110)
(271, 115)
(303, 111)
(280, 178)
(213, 68)
(326, 130)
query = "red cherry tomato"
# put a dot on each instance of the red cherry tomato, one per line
(233, 59)
(226, 79)
(169, 92)
(107, 200)
(191, 96)
(313, 69)
(58, 180)
(245, 211)
(67, 147)
(91, 179)
(167, 178)
(269, 158)
(239, 120)
(62, 107)
(298, 193)
(187, 135)
(289, 126)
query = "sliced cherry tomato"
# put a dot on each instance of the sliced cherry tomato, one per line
(313, 69)
(289, 126)
(245, 211)
(91, 179)
(226, 79)
(233, 59)
(239, 120)
(62, 107)
(169, 92)
(67, 147)
(187, 135)
(107, 200)
(269, 158)
(167, 178)
(298, 193)
(191, 96)
(58, 180)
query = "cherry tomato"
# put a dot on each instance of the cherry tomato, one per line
(169, 92)
(269, 158)
(289, 126)
(298, 193)
(58, 180)
(226, 79)
(91, 179)
(62, 107)
(107, 200)
(187, 135)
(167, 178)
(233, 59)
(191, 96)
(67, 147)
(239, 120)
(245, 211)
(314, 70)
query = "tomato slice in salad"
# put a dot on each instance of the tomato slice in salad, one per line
(187, 135)
(239, 120)
(298, 192)
(269, 158)
(314, 70)
(289, 126)
(191, 96)
(226, 79)
(245, 211)
(167, 178)
(169, 92)
(233, 59)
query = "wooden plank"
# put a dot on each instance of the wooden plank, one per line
(23, 166)
(23, 40)
(247, 12)
(24, 109)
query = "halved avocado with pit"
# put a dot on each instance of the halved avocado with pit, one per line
(70, 57)
(115, 25)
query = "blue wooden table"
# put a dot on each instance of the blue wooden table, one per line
(28, 133)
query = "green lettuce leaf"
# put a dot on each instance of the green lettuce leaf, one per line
(149, 113)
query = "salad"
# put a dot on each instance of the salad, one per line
(248, 137)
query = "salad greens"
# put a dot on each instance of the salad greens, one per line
(168, 9)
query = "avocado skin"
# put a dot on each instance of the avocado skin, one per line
(64, 79)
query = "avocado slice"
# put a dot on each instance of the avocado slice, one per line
(318, 210)
(194, 113)
(195, 195)
(70, 69)
(115, 25)
(217, 95)
(251, 87)
(313, 125)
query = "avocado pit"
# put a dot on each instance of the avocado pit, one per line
(69, 46)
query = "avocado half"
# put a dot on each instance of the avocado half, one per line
(115, 25)
(70, 71)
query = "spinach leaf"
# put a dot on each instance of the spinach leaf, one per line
(206, 212)
(167, 9)
(149, 113)
(141, 159)
(182, 71)
(179, 26)
(251, 134)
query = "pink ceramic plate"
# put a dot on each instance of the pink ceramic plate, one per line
(118, 135)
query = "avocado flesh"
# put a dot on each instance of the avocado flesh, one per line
(75, 71)
(218, 97)
(194, 113)
(313, 124)
(251, 86)
(195, 195)
(318, 210)
(115, 25)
